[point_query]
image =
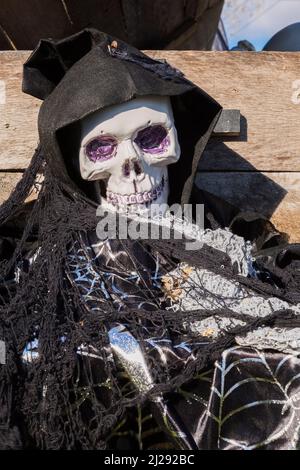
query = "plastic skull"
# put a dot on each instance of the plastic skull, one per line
(130, 145)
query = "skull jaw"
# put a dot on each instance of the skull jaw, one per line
(142, 196)
(155, 203)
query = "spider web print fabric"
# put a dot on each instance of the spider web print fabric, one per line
(249, 369)
(108, 344)
(249, 400)
(242, 379)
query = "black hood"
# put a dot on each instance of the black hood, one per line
(91, 70)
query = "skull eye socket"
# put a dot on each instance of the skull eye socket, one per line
(101, 149)
(153, 139)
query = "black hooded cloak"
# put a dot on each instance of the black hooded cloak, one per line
(112, 344)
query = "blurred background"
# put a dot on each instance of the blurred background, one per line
(155, 24)
(258, 20)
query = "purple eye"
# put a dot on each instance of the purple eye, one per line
(101, 149)
(153, 139)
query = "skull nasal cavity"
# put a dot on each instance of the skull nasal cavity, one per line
(137, 168)
(131, 166)
(126, 168)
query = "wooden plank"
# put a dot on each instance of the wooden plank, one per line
(8, 182)
(5, 42)
(106, 16)
(142, 23)
(27, 22)
(259, 84)
(18, 115)
(276, 195)
(199, 30)
(151, 24)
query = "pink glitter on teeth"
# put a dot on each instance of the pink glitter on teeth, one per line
(138, 198)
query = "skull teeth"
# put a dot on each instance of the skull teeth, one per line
(137, 198)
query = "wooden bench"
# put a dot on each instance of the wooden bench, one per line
(257, 170)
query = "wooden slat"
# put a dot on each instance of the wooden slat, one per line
(259, 84)
(201, 29)
(273, 194)
(149, 24)
(5, 43)
(105, 15)
(28, 21)
(18, 116)
(145, 24)
(8, 182)
(276, 195)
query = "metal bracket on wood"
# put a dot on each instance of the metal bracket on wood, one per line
(229, 123)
